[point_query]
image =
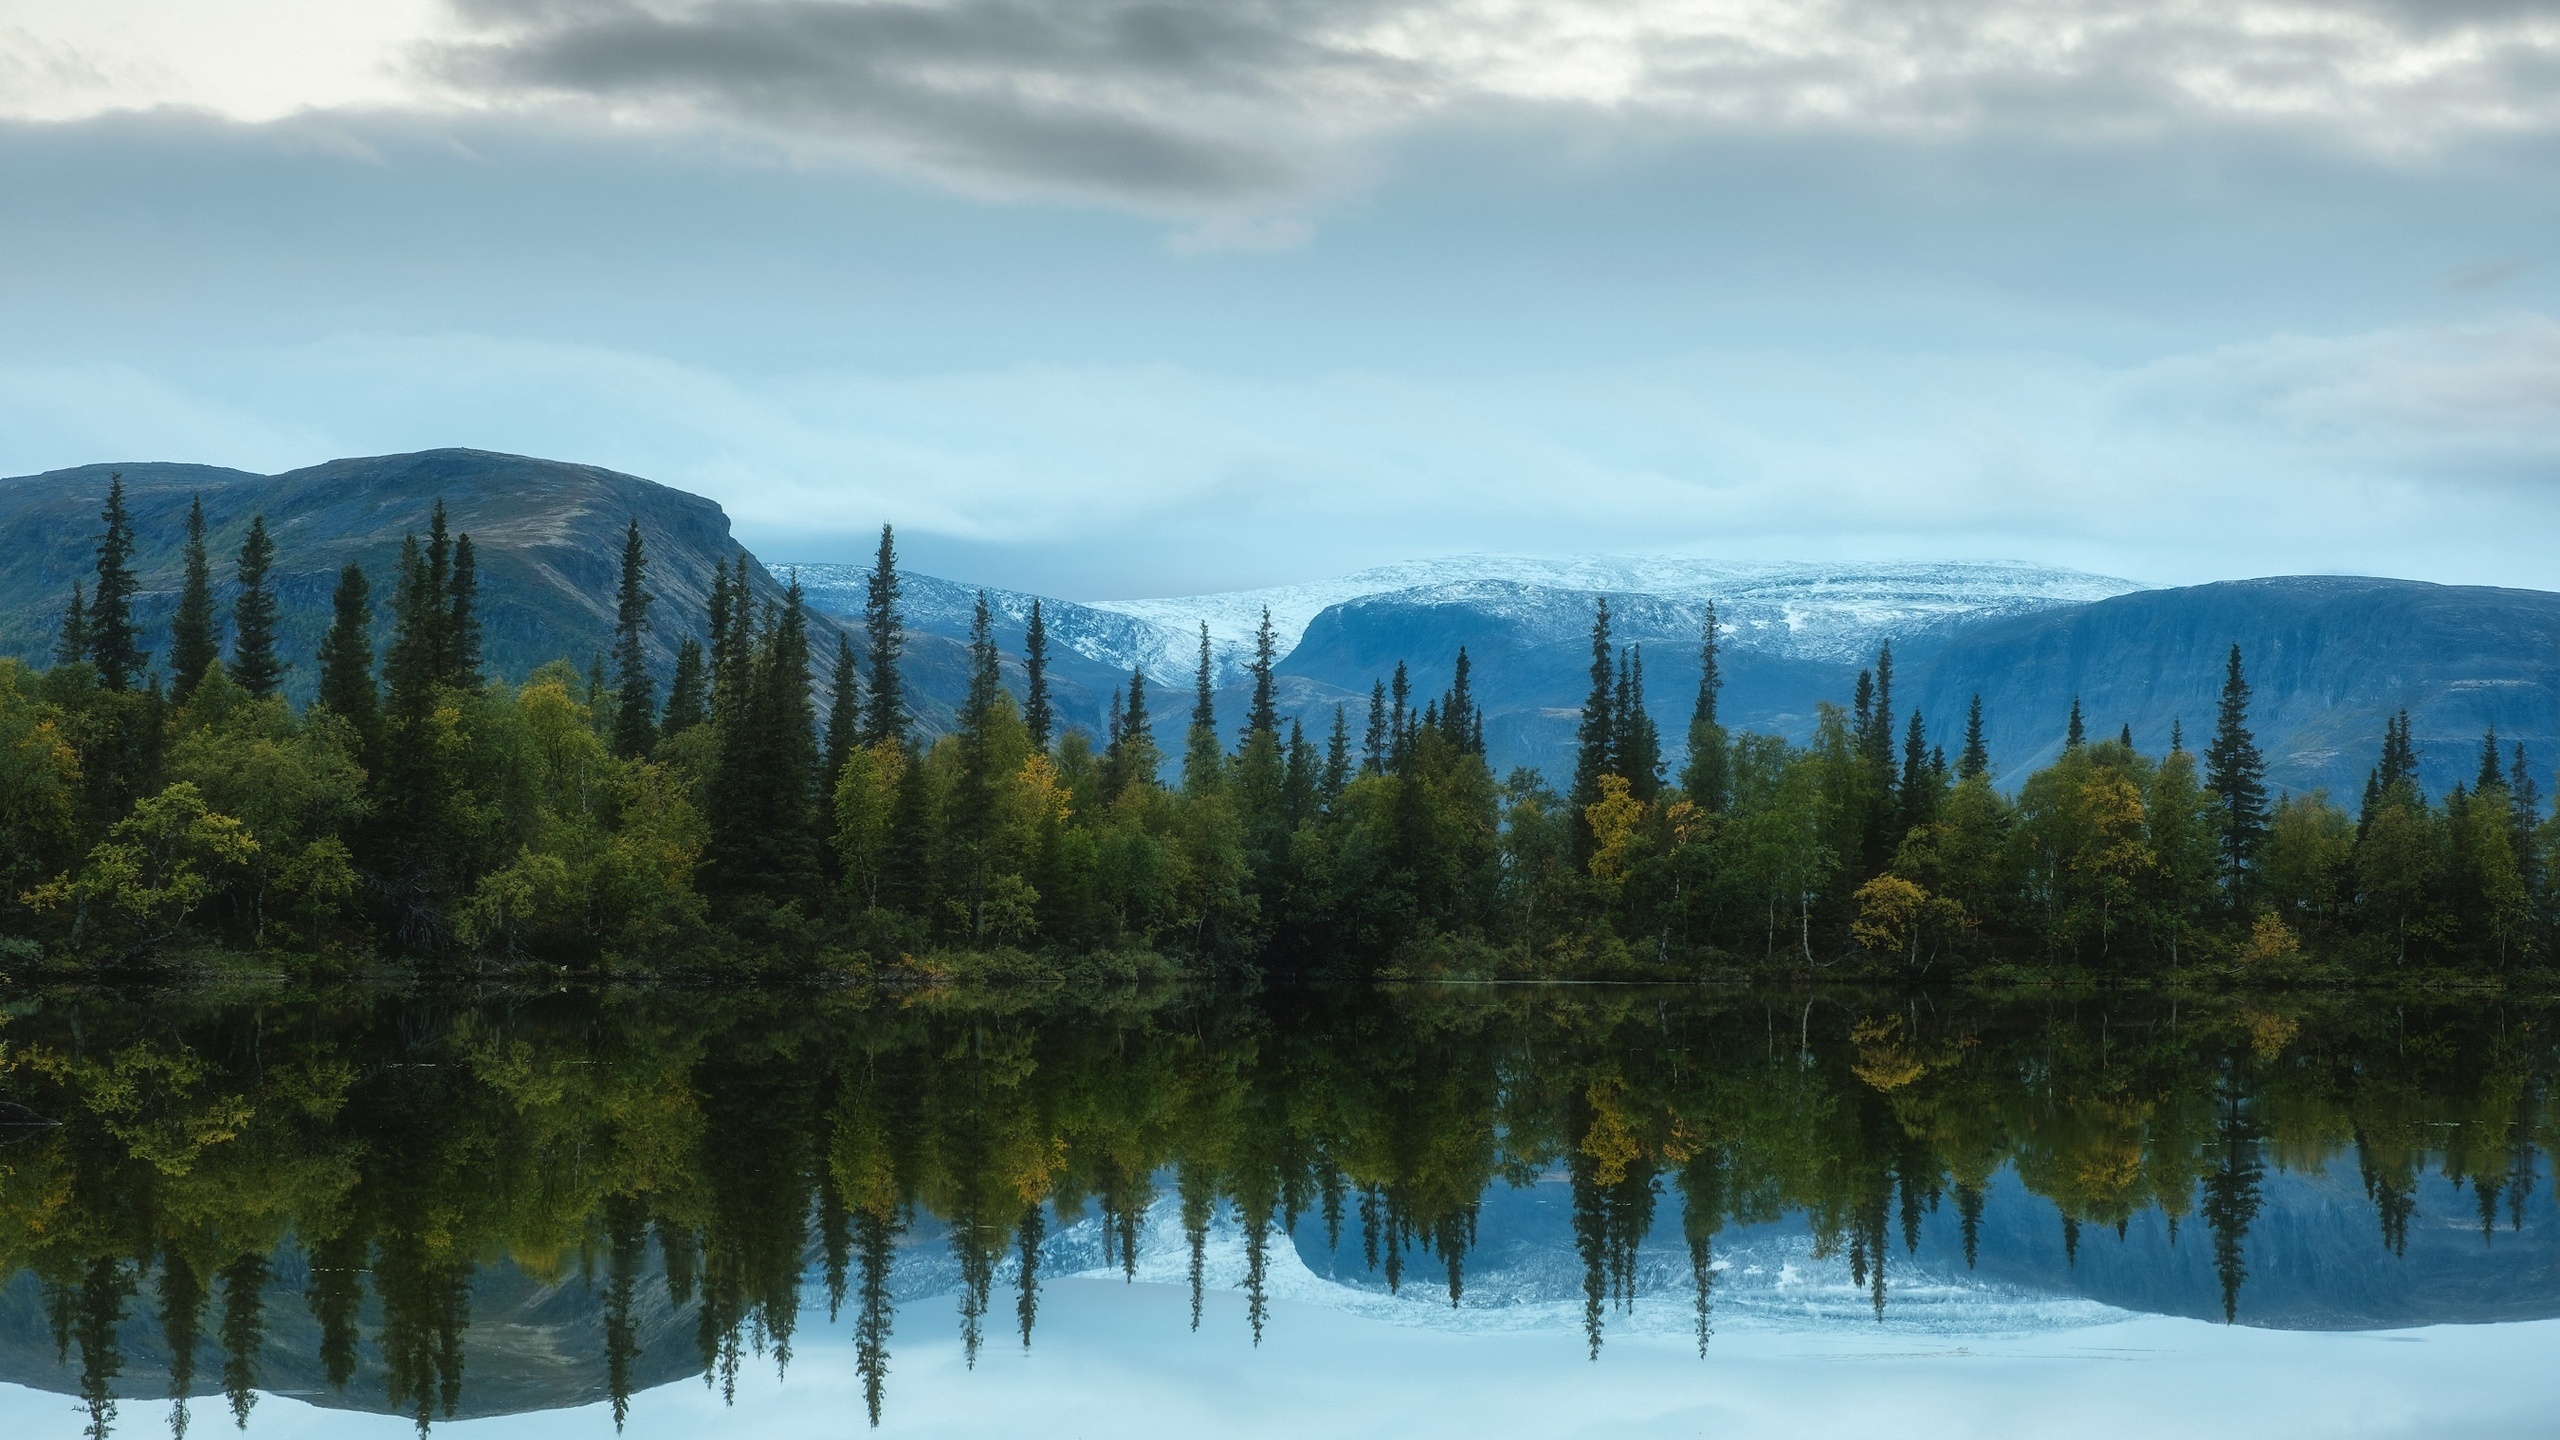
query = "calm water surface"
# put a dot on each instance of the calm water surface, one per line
(1542, 1210)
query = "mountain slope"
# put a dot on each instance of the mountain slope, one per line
(548, 538)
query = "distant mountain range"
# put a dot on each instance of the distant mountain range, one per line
(2330, 657)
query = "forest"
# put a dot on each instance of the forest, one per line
(353, 1199)
(774, 807)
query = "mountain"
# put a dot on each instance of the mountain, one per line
(548, 538)
(2329, 658)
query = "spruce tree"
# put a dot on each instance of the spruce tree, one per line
(973, 791)
(723, 600)
(884, 707)
(1976, 757)
(1302, 778)
(346, 658)
(1599, 728)
(844, 718)
(1399, 719)
(71, 643)
(635, 715)
(1919, 779)
(1263, 715)
(1038, 716)
(1140, 759)
(193, 643)
(1373, 742)
(1636, 750)
(2177, 736)
(2237, 776)
(2124, 737)
(255, 664)
(462, 620)
(2074, 734)
(2493, 769)
(112, 645)
(1705, 778)
(1202, 758)
(1337, 758)
(687, 701)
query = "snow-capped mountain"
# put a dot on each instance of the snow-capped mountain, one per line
(1814, 611)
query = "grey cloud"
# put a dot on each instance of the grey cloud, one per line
(1159, 103)
(1229, 105)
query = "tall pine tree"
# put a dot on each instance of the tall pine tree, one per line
(1705, 778)
(71, 642)
(1976, 756)
(255, 665)
(1636, 750)
(884, 708)
(194, 643)
(2236, 775)
(1037, 714)
(1592, 756)
(346, 659)
(462, 619)
(635, 717)
(112, 645)
(687, 690)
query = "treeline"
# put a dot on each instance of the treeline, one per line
(244, 1197)
(595, 819)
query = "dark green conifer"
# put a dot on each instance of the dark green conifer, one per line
(193, 643)
(1038, 715)
(2493, 769)
(844, 716)
(1705, 777)
(1599, 729)
(1202, 758)
(884, 707)
(1919, 780)
(1637, 747)
(724, 600)
(2075, 734)
(112, 645)
(1301, 779)
(1976, 756)
(1337, 758)
(346, 657)
(71, 644)
(255, 664)
(2124, 737)
(1373, 744)
(1263, 715)
(635, 713)
(973, 791)
(687, 700)
(2237, 776)
(462, 619)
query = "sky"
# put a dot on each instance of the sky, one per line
(1112, 298)
(1119, 1360)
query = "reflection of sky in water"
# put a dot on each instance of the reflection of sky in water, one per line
(1797, 1349)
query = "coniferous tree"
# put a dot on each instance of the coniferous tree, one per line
(884, 707)
(1202, 759)
(1373, 744)
(346, 658)
(1337, 758)
(1038, 716)
(1976, 757)
(255, 665)
(1593, 738)
(71, 645)
(2237, 776)
(2075, 734)
(687, 698)
(764, 825)
(111, 643)
(724, 601)
(1301, 780)
(973, 791)
(1263, 714)
(2177, 736)
(2124, 737)
(635, 714)
(1919, 777)
(193, 643)
(1399, 719)
(2493, 768)
(1637, 748)
(1133, 759)
(462, 621)
(1705, 778)
(844, 717)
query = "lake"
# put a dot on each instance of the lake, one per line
(1516, 1209)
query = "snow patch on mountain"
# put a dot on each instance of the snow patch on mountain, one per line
(1817, 610)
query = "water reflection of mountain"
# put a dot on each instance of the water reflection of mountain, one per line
(2316, 1259)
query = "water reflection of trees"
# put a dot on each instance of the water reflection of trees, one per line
(378, 1156)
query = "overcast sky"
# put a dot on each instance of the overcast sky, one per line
(1121, 297)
